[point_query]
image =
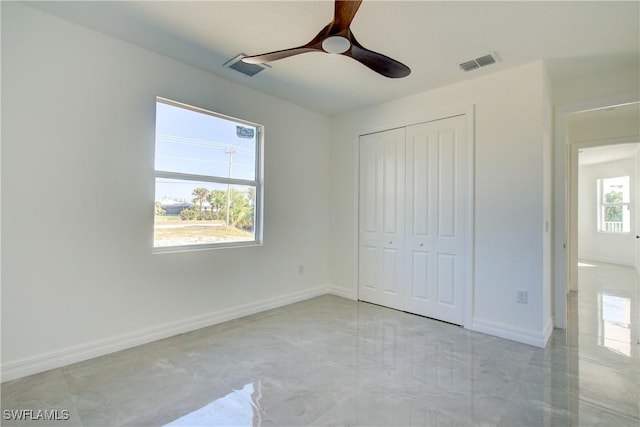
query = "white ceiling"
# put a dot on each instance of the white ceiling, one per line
(431, 37)
(621, 122)
(607, 153)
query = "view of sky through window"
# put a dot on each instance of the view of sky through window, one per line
(196, 143)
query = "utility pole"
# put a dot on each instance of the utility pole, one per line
(230, 152)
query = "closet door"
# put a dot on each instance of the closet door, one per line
(381, 218)
(437, 190)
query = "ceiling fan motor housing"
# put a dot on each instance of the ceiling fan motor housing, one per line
(336, 44)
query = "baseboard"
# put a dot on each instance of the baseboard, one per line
(67, 356)
(548, 331)
(341, 292)
(525, 336)
(608, 260)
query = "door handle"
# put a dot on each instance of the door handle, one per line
(637, 237)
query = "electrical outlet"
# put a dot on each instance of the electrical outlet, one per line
(523, 297)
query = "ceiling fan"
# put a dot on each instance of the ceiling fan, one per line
(337, 38)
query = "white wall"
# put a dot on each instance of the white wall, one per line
(604, 127)
(604, 247)
(596, 84)
(78, 275)
(511, 112)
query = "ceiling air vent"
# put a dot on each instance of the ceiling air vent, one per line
(483, 61)
(244, 68)
(469, 65)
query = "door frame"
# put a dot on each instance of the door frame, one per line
(637, 206)
(424, 117)
(564, 211)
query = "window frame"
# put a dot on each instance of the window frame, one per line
(257, 183)
(602, 205)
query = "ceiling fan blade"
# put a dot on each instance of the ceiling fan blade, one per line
(313, 45)
(344, 12)
(278, 54)
(377, 62)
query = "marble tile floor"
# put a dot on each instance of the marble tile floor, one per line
(336, 362)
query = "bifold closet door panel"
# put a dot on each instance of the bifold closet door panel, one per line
(437, 190)
(381, 218)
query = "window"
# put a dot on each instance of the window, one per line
(614, 199)
(208, 188)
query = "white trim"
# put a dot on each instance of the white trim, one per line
(355, 232)
(548, 331)
(206, 178)
(469, 111)
(342, 292)
(69, 355)
(471, 210)
(616, 261)
(561, 205)
(525, 336)
(637, 222)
